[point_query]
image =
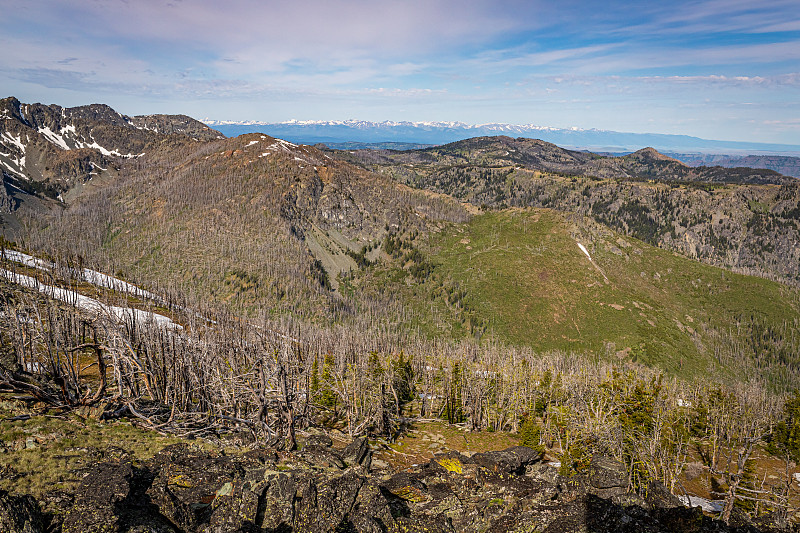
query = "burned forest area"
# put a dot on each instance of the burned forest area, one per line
(210, 334)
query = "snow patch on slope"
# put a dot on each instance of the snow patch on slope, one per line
(98, 279)
(120, 314)
(584, 250)
(16, 141)
(105, 151)
(709, 506)
(54, 138)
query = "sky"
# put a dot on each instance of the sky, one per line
(717, 69)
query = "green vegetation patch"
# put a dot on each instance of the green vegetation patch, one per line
(524, 275)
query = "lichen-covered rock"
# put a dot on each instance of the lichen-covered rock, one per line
(607, 473)
(234, 508)
(371, 512)
(509, 461)
(326, 507)
(319, 439)
(358, 453)
(20, 514)
(112, 498)
(322, 457)
(183, 490)
(187, 482)
(100, 499)
(276, 507)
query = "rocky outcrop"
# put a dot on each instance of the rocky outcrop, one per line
(20, 514)
(7, 202)
(323, 489)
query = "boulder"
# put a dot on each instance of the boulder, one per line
(607, 473)
(371, 512)
(276, 510)
(326, 507)
(234, 508)
(322, 457)
(512, 460)
(358, 453)
(658, 496)
(112, 498)
(100, 499)
(186, 482)
(319, 439)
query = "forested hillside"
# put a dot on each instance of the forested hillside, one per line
(253, 222)
(744, 219)
(522, 277)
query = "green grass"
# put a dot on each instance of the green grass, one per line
(526, 277)
(64, 445)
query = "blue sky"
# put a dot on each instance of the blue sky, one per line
(720, 69)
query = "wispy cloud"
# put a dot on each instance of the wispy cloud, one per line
(483, 61)
(783, 80)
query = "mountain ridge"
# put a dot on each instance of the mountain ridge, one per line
(744, 219)
(47, 150)
(787, 165)
(537, 154)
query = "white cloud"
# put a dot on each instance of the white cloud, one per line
(248, 32)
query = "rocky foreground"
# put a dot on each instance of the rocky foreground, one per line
(321, 488)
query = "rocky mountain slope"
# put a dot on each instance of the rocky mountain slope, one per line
(46, 150)
(254, 221)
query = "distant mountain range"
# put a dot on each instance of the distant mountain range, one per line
(788, 166)
(312, 132)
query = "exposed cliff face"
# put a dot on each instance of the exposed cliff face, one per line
(175, 124)
(7, 203)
